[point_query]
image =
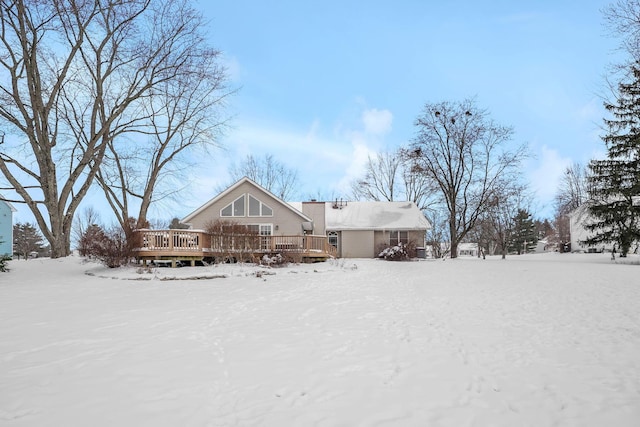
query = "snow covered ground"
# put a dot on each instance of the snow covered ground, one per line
(536, 340)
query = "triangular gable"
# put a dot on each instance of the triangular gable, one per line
(235, 186)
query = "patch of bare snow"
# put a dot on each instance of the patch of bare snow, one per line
(536, 340)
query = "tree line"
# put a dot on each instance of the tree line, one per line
(122, 95)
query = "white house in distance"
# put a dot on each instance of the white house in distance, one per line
(6, 228)
(355, 229)
(578, 218)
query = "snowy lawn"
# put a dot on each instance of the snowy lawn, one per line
(536, 340)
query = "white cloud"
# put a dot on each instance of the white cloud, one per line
(365, 143)
(546, 174)
(377, 122)
(327, 158)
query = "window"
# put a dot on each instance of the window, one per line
(396, 237)
(333, 238)
(262, 230)
(234, 209)
(257, 208)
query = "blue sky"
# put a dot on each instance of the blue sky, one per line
(324, 84)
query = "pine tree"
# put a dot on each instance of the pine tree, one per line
(524, 237)
(26, 239)
(615, 181)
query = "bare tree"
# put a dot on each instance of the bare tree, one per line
(437, 234)
(622, 18)
(269, 173)
(572, 190)
(177, 117)
(380, 181)
(71, 72)
(88, 217)
(389, 176)
(464, 152)
(502, 208)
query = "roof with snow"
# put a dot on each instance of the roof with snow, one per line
(375, 216)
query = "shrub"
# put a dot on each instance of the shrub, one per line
(109, 247)
(3, 265)
(400, 252)
(276, 260)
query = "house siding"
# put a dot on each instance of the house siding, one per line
(357, 244)
(284, 220)
(578, 233)
(315, 211)
(6, 229)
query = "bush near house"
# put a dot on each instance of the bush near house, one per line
(110, 247)
(399, 252)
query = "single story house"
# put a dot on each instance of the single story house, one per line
(6, 228)
(468, 249)
(354, 229)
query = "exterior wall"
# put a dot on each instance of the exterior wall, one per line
(6, 229)
(468, 249)
(357, 244)
(315, 211)
(577, 221)
(415, 236)
(285, 221)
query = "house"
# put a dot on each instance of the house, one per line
(6, 228)
(354, 229)
(362, 229)
(468, 249)
(578, 219)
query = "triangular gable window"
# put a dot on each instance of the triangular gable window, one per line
(257, 208)
(234, 209)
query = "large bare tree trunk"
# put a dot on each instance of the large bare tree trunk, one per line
(71, 73)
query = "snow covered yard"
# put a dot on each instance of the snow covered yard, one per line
(536, 340)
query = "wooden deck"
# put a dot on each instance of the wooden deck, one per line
(190, 246)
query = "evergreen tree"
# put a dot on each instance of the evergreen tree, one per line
(3, 265)
(615, 181)
(524, 236)
(26, 239)
(177, 225)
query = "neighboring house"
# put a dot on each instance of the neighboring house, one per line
(355, 229)
(468, 249)
(578, 218)
(6, 228)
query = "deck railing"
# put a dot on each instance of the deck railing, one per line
(173, 240)
(191, 242)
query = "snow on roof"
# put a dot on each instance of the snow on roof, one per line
(375, 216)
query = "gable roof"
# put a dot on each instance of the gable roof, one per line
(231, 189)
(375, 216)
